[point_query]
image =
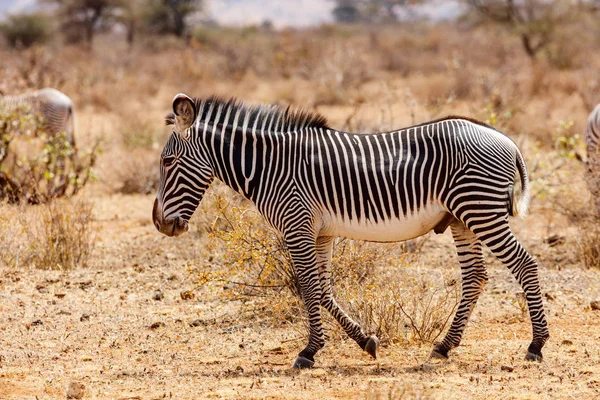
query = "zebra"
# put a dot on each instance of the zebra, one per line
(592, 131)
(592, 141)
(313, 183)
(55, 108)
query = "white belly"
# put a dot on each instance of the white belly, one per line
(393, 230)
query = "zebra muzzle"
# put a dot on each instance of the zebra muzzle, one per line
(168, 226)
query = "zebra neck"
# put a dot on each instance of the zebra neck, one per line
(238, 156)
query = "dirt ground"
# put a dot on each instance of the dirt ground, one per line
(102, 327)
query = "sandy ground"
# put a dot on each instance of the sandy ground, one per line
(101, 327)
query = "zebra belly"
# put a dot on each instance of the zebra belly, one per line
(407, 227)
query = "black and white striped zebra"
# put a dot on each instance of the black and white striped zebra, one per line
(54, 107)
(592, 131)
(592, 141)
(313, 183)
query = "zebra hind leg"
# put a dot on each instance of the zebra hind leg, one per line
(474, 277)
(303, 254)
(505, 246)
(352, 329)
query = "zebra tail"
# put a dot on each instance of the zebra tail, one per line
(520, 207)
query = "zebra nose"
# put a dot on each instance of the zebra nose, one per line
(156, 215)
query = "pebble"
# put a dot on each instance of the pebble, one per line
(157, 325)
(75, 390)
(158, 295)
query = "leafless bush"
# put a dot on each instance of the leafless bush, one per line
(402, 308)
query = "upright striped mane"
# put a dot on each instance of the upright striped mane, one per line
(287, 118)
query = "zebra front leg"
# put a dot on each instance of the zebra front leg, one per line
(474, 277)
(503, 244)
(302, 250)
(352, 329)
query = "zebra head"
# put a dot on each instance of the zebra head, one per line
(185, 172)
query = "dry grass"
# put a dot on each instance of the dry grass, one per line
(58, 235)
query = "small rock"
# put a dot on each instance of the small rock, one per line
(567, 342)
(550, 296)
(158, 295)
(187, 295)
(595, 305)
(37, 322)
(197, 322)
(60, 295)
(507, 368)
(63, 312)
(157, 325)
(240, 369)
(75, 390)
(84, 317)
(41, 288)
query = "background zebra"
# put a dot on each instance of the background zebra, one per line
(592, 141)
(55, 108)
(592, 131)
(313, 183)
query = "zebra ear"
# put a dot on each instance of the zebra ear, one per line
(185, 112)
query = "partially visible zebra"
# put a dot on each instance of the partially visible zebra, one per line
(313, 183)
(55, 108)
(592, 131)
(592, 141)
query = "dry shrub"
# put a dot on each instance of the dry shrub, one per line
(589, 228)
(57, 235)
(36, 167)
(402, 308)
(139, 173)
(254, 263)
(339, 75)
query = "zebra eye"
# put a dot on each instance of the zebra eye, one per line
(168, 161)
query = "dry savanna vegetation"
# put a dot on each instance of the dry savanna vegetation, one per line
(94, 302)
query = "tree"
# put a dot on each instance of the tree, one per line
(535, 21)
(374, 11)
(81, 19)
(171, 16)
(25, 30)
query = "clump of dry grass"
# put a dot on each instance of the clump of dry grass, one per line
(57, 235)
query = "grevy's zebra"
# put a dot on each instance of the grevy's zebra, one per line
(592, 141)
(592, 131)
(55, 108)
(313, 183)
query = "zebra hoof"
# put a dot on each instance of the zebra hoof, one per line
(371, 346)
(534, 357)
(534, 353)
(439, 352)
(302, 363)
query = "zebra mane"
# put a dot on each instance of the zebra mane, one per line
(473, 120)
(289, 118)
